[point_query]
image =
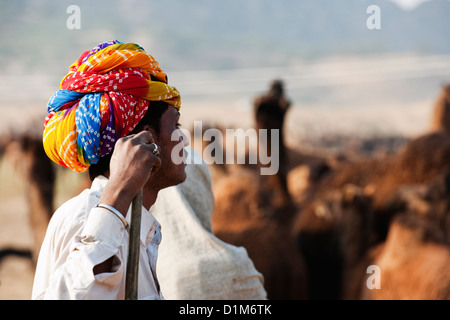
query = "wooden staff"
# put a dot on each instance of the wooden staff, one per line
(131, 280)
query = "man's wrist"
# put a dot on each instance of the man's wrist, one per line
(114, 211)
(116, 197)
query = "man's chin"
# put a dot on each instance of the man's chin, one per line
(184, 175)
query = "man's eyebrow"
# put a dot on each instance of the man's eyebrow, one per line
(179, 113)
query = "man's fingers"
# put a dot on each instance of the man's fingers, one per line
(155, 149)
(157, 162)
(144, 141)
(144, 137)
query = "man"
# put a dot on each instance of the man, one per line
(117, 116)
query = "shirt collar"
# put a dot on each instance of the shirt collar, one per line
(149, 225)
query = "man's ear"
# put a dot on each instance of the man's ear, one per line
(152, 131)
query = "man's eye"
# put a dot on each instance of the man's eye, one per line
(178, 125)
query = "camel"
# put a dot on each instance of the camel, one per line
(242, 219)
(333, 234)
(255, 211)
(413, 263)
(344, 209)
(269, 113)
(39, 174)
(419, 234)
(318, 226)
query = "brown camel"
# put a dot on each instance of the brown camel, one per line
(320, 238)
(413, 260)
(39, 175)
(242, 219)
(413, 263)
(269, 113)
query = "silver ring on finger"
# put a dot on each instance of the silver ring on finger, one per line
(156, 150)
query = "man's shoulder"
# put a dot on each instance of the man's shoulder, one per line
(74, 211)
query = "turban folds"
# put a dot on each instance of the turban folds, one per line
(102, 98)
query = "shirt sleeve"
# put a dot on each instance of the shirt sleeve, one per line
(100, 239)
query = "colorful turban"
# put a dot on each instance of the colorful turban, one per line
(103, 97)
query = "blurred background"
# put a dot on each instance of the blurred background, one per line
(347, 84)
(228, 52)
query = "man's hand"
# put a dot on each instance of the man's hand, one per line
(131, 164)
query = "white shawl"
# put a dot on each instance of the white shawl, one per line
(192, 262)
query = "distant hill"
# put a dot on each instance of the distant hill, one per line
(208, 34)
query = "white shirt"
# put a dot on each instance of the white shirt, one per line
(79, 237)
